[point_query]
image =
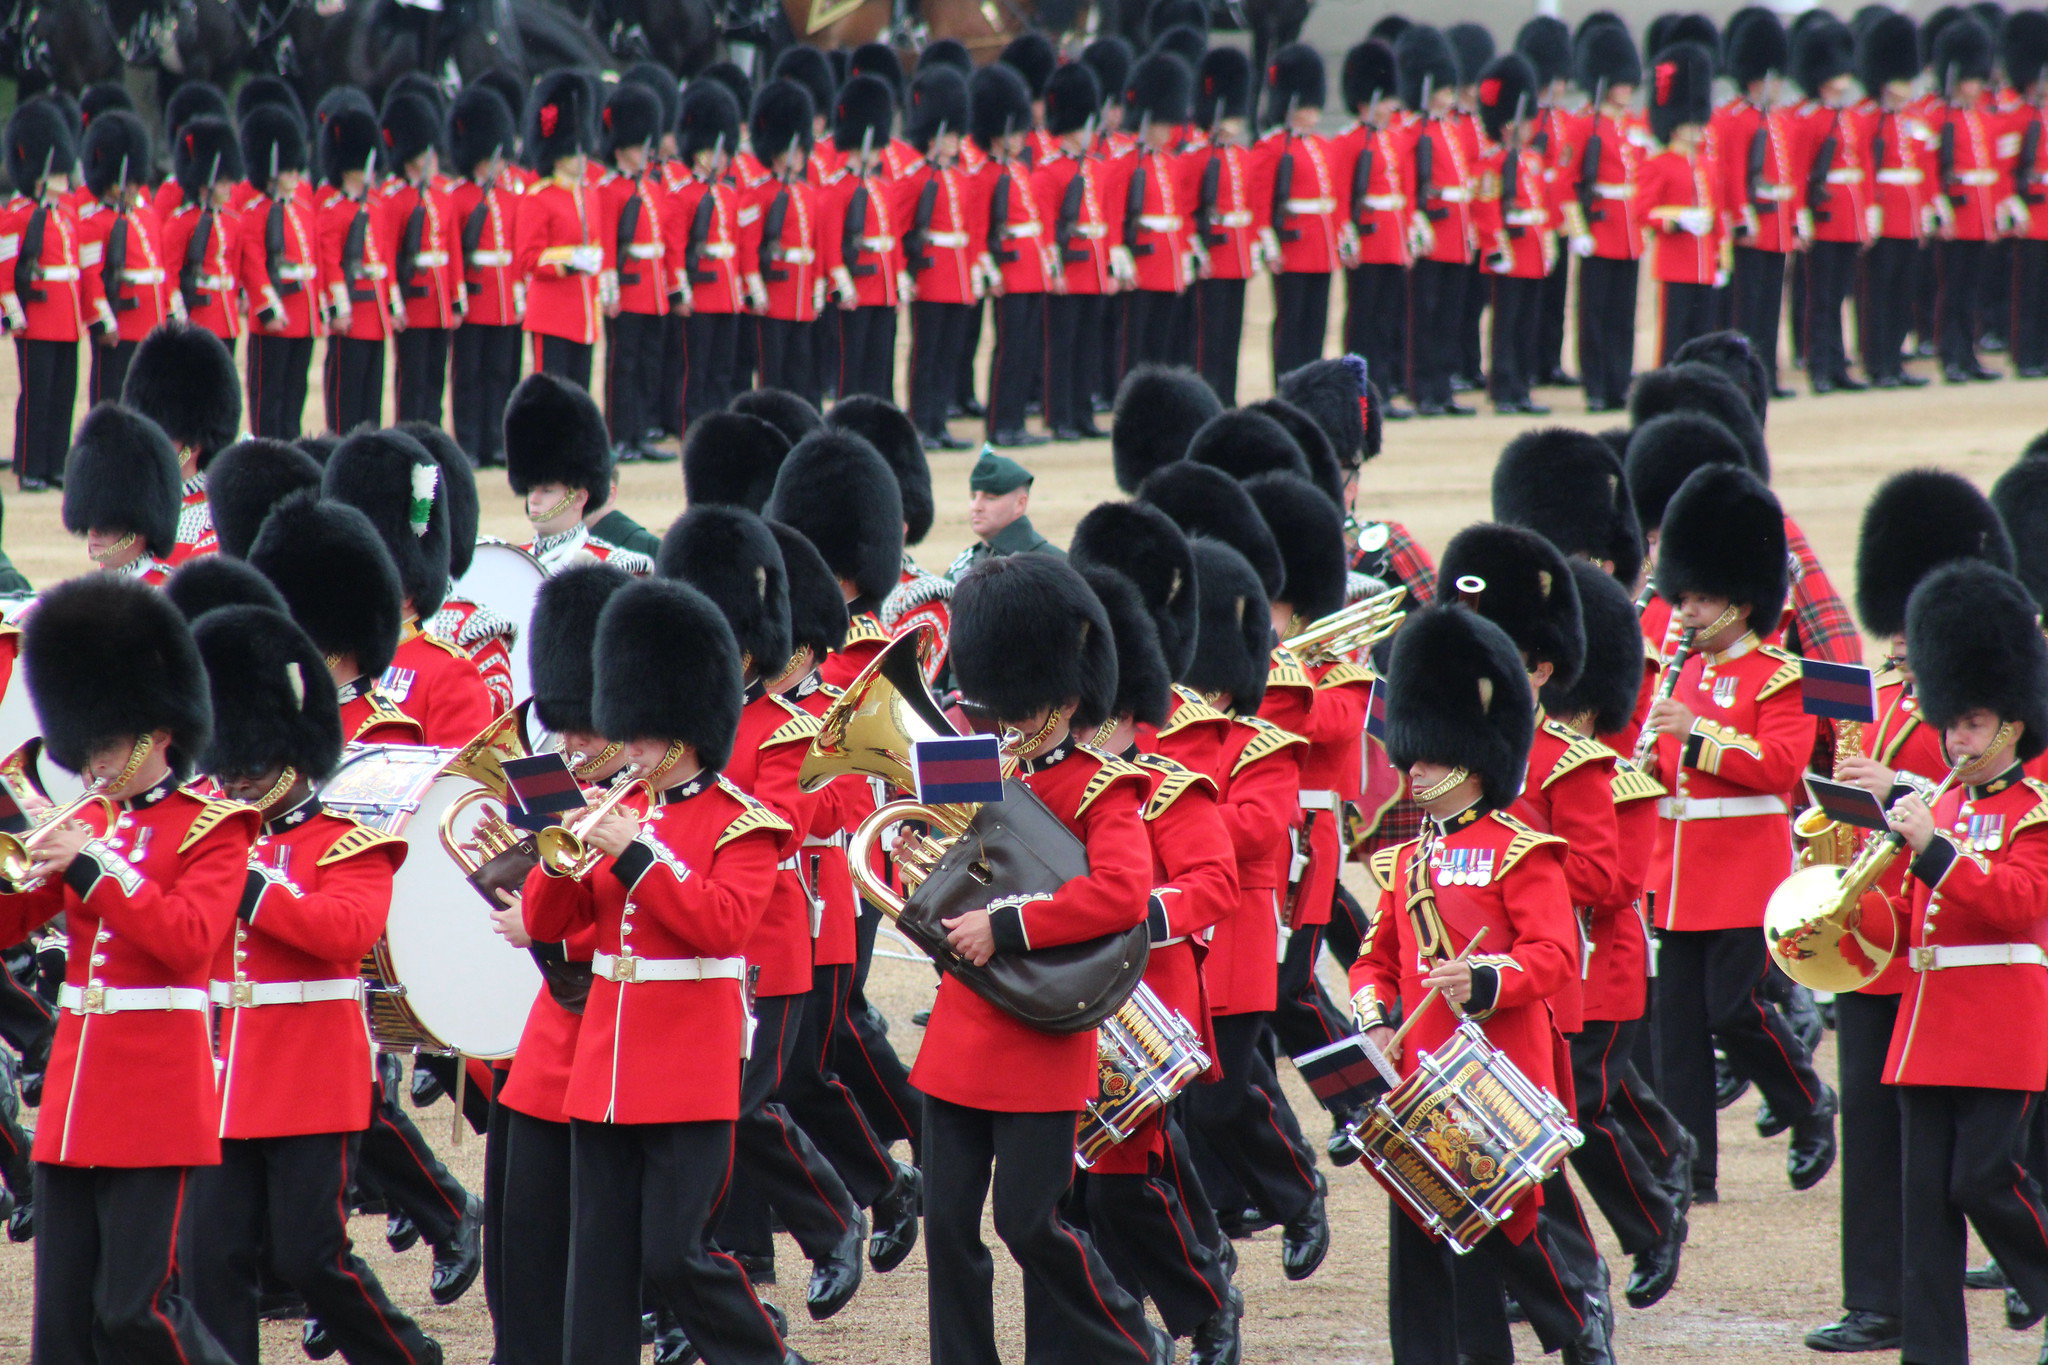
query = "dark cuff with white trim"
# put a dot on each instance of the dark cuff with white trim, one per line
(1006, 923)
(629, 867)
(1485, 991)
(1932, 863)
(1155, 919)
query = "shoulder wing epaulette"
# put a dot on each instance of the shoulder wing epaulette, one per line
(1383, 863)
(1631, 783)
(210, 815)
(1340, 674)
(2039, 813)
(1889, 676)
(1284, 670)
(1270, 739)
(798, 725)
(1192, 711)
(755, 817)
(1786, 676)
(1177, 782)
(357, 838)
(448, 647)
(864, 629)
(1579, 751)
(920, 590)
(1112, 770)
(1524, 840)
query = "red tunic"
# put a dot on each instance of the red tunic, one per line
(280, 266)
(1673, 181)
(355, 263)
(860, 232)
(1514, 216)
(426, 253)
(438, 685)
(708, 238)
(637, 219)
(1149, 196)
(369, 716)
(1570, 793)
(1224, 217)
(538, 1085)
(835, 809)
(941, 258)
(53, 304)
(1970, 169)
(1332, 772)
(485, 225)
(1617, 977)
(1016, 236)
(786, 262)
(1762, 187)
(1443, 196)
(1373, 177)
(1906, 744)
(211, 285)
(1605, 182)
(558, 234)
(1839, 196)
(127, 287)
(1295, 181)
(774, 736)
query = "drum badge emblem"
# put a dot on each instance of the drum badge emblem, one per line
(1455, 1138)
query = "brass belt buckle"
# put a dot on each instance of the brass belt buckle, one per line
(1923, 959)
(626, 969)
(241, 995)
(95, 1001)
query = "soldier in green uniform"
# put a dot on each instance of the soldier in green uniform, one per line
(999, 492)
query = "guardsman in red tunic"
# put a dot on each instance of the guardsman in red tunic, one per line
(842, 497)
(424, 244)
(705, 208)
(121, 494)
(356, 288)
(672, 899)
(1295, 179)
(479, 631)
(1839, 196)
(647, 275)
(1974, 928)
(1372, 169)
(1604, 183)
(1547, 43)
(1439, 218)
(1760, 162)
(40, 292)
(919, 597)
(2026, 66)
(1731, 741)
(183, 378)
(1012, 250)
(1224, 219)
(1148, 208)
(561, 250)
(295, 1063)
(148, 888)
(1680, 197)
(202, 235)
(483, 206)
(1971, 179)
(280, 271)
(1902, 160)
(558, 458)
(1073, 198)
(779, 226)
(127, 290)
(861, 211)
(1459, 722)
(1516, 220)
(1019, 654)
(939, 248)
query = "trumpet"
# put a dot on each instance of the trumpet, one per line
(565, 850)
(1347, 630)
(18, 854)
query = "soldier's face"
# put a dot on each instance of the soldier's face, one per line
(565, 504)
(988, 513)
(248, 787)
(1974, 733)
(107, 548)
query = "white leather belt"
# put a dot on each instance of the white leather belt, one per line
(1386, 203)
(1901, 175)
(1235, 219)
(1719, 807)
(1169, 942)
(215, 283)
(628, 970)
(1976, 177)
(1090, 231)
(483, 259)
(1022, 229)
(1159, 222)
(878, 245)
(429, 258)
(1527, 218)
(716, 251)
(1455, 194)
(831, 841)
(1978, 955)
(796, 255)
(948, 239)
(646, 251)
(1311, 206)
(1774, 192)
(292, 270)
(59, 273)
(788, 864)
(239, 995)
(1317, 800)
(151, 276)
(122, 999)
(1848, 175)
(1607, 190)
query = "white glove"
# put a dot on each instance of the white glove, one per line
(12, 316)
(1269, 246)
(588, 259)
(817, 296)
(2013, 214)
(1122, 264)
(1582, 245)
(1873, 221)
(1421, 235)
(1699, 222)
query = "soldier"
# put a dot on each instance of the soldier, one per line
(1969, 188)
(1223, 218)
(1760, 162)
(1839, 196)
(558, 458)
(425, 247)
(183, 378)
(1374, 172)
(646, 279)
(837, 491)
(1148, 194)
(1547, 43)
(999, 496)
(358, 294)
(202, 235)
(1072, 187)
(939, 251)
(779, 239)
(40, 292)
(1517, 230)
(1295, 179)
(920, 596)
(1013, 248)
(1605, 185)
(121, 493)
(2024, 49)
(1439, 220)
(861, 213)
(127, 291)
(483, 206)
(1680, 198)
(486, 636)
(705, 208)
(279, 271)
(246, 482)
(561, 251)
(1901, 158)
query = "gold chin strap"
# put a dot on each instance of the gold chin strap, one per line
(1102, 733)
(1981, 765)
(118, 548)
(586, 765)
(1728, 617)
(668, 761)
(1030, 743)
(1442, 788)
(557, 510)
(277, 790)
(137, 756)
(796, 661)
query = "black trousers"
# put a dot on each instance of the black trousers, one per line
(822, 1104)
(785, 350)
(1144, 1232)
(1305, 1017)
(1186, 354)
(1301, 317)
(1031, 1157)
(401, 1163)
(1219, 334)
(535, 1229)
(668, 401)
(1148, 328)
(1757, 298)
(1073, 355)
(353, 384)
(281, 1205)
(1684, 311)
(422, 372)
(2029, 326)
(1613, 1169)
(1375, 319)
(1517, 311)
(563, 358)
(1710, 990)
(109, 371)
(711, 362)
(777, 1156)
(1019, 353)
(1654, 1129)
(824, 336)
(632, 378)
(1607, 329)
(486, 372)
(1960, 271)
(1478, 1283)
(278, 370)
(1885, 305)
(1965, 1155)
(1436, 303)
(1830, 270)
(42, 410)
(867, 351)
(1422, 1293)
(1550, 319)
(938, 352)
(865, 1059)
(644, 1197)
(963, 373)
(107, 1268)
(1470, 367)
(1872, 1154)
(1248, 1129)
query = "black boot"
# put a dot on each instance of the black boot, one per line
(1857, 1330)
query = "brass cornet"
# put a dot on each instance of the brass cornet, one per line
(17, 855)
(565, 850)
(1347, 630)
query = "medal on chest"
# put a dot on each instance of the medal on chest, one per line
(1462, 866)
(396, 682)
(1723, 691)
(1980, 832)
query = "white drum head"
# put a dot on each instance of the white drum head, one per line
(506, 579)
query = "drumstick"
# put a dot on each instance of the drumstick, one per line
(1434, 991)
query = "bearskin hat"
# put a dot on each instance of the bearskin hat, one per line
(1887, 50)
(880, 60)
(1242, 443)
(273, 141)
(1731, 352)
(333, 571)
(1309, 533)
(791, 414)
(1234, 636)
(1686, 28)
(863, 112)
(337, 100)
(1143, 688)
(1931, 27)
(1604, 55)
(2021, 497)
(708, 119)
(1370, 73)
(1295, 79)
(1918, 520)
(248, 479)
(1145, 545)
(1547, 43)
(946, 52)
(1072, 97)
(667, 668)
(416, 85)
(39, 142)
(1507, 91)
(267, 676)
(1695, 386)
(731, 458)
(200, 585)
(116, 144)
(659, 81)
(810, 68)
(631, 117)
(1188, 44)
(122, 475)
(108, 658)
(1204, 501)
(268, 92)
(196, 99)
(1160, 89)
(555, 434)
(1473, 47)
(1110, 58)
(391, 479)
(561, 637)
(938, 103)
(409, 129)
(1166, 14)
(1611, 681)
(1158, 411)
(1031, 55)
(1568, 486)
(1426, 63)
(1724, 536)
(558, 119)
(1962, 52)
(182, 377)
(2023, 48)
(1820, 53)
(782, 119)
(1526, 589)
(730, 555)
(1757, 46)
(1323, 470)
(1973, 633)
(456, 497)
(1664, 451)
(348, 139)
(205, 151)
(1457, 695)
(1223, 86)
(737, 82)
(319, 447)
(817, 608)
(1028, 634)
(1337, 394)
(890, 431)
(1681, 89)
(839, 493)
(1002, 104)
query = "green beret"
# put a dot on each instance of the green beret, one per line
(997, 474)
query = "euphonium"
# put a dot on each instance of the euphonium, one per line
(1347, 630)
(482, 761)
(565, 850)
(1822, 840)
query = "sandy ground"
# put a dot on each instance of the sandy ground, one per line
(1761, 1267)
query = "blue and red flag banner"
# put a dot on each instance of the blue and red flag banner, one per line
(1848, 804)
(541, 786)
(1838, 691)
(1344, 1074)
(958, 769)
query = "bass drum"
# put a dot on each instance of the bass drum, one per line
(440, 979)
(506, 579)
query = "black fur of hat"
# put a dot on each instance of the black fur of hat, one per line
(1963, 51)
(730, 555)
(1547, 42)
(1973, 633)
(1308, 530)
(206, 149)
(115, 144)
(319, 447)
(1295, 79)
(1158, 411)
(1695, 386)
(1234, 639)
(1681, 89)
(182, 377)
(890, 431)
(558, 119)
(1664, 451)
(1569, 487)
(792, 414)
(456, 497)
(1204, 501)
(863, 111)
(880, 60)
(1605, 55)
(561, 640)
(1029, 634)
(1730, 352)
(384, 475)
(109, 658)
(121, 474)
(1223, 86)
(333, 571)
(1185, 42)
(555, 434)
(1072, 97)
(810, 68)
(1931, 27)
(1887, 50)
(938, 101)
(659, 81)
(195, 99)
(39, 139)
(1918, 520)
(200, 585)
(1002, 104)
(1688, 28)
(1388, 28)
(708, 118)
(266, 676)
(817, 608)
(348, 139)
(409, 128)
(2023, 48)
(782, 119)
(667, 668)
(1242, 443)
(736, 82)
(1724, 536)
(1110, 57)
(2021, 497)
(1143, 689)
(632, 117)
(1530, 592)
(1165, 14)
(268, 92)
(731, 458)
(1611, 681)
(1424, 58)
(1323, 470)
(1820, 53)
(273, 139)
(1031, 55)
(1757, 47)
(947, 52)
(1507, 91)
(1473, 47)
(1143, 544)
(1337, 393)
(838, 492)
(248, 479)
(1457, 695)
(1370, 72)
(336, 100)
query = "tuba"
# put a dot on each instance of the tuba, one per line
(979, 853)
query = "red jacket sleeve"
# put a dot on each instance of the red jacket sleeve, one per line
(2009, 895)
(180, 924)
(1544, 955)
(1262, 802)
(1191, 847)
(1582, 813)
(1111, 898)
(340, 918)
(1771, 760)
(1376, 971)
(715, 910)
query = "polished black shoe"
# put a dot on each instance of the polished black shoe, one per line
(2019, 1314)
(1344, 1146)
(1656, 1268)
(895, 1220)
(35, 485)
(1238, 1224)
(1599, 405)
(672, 1345)
(2031, 372)
(1780, 391)
(1226, 1256)
(316, 1341)
(1822, 385)
(1064, 434)
(1909, 380)
(625, 454)
(921, 1018)
(1558, 379)
(1676, 1177)
(1888, 381)
(1396, 413)
(1986, 1276)
(655, 454)
(21, 1222)
(1955, 374)
(759, 1270)
(1858, 1330)
(426, 1088)
(401, 1234)
(1218, 1341)
(1090, 432)
(945, 440)
(1306, 1240)
(1812, 1154)
(1730, 1085)
(457, 1265)
(1705, 1194)
(1849, 384)
(1984, 376)
(1591, 1346)
(836, 1275)
(1768, 1124)
(1017, 436)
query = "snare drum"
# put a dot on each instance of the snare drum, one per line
(440, 979)
(506, 579)
(1146, 1054)
(1462, 1140)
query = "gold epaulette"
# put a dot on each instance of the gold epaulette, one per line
(1579, 751)
(801, 725)
(2039, 814)
(1888, 676)
(1270, 739)
(1786, 676)
(358, 838)
(1652, 654)
(1633, 784)
(211, 814)
(1383, 864)
(1112, 768)
(1176, 783)
(1284, 670)
(1524, 840)
(1192, 711)
(864, 629)
(384, 712)
(1342, 673)
(445, 646)
(755, 817)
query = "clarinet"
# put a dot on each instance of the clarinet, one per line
(1666, 686)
